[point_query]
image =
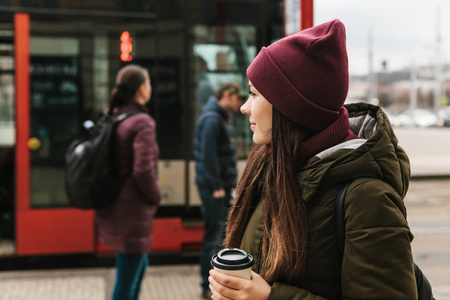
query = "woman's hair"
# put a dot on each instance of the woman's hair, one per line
(231, 87)
(270, 175)
(128, 81)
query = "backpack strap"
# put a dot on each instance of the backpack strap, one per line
(125, 115)
(424, 290)
(116, 120)
(340, 217)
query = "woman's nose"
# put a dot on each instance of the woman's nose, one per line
(245, 108)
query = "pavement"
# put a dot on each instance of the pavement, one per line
(160, 283)
(428, 207)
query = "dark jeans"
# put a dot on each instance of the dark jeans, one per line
(130, 272)
(215, 213)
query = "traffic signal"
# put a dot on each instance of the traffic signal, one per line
(125, 46)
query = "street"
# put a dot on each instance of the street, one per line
(428, 149)
(428, 207)
(428, 202)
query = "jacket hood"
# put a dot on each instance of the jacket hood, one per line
(375, 155)
(213, 106)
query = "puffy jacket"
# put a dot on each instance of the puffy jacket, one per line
(214, 151)
(377, 261)
(127, 224)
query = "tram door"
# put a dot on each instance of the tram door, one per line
(47, 116)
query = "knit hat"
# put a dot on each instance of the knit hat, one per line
(305, 75)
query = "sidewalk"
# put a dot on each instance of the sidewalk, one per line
(161, 283)
(428, 206)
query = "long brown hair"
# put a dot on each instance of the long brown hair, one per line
(128, 80)
(270, 171)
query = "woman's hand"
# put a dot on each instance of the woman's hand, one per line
(225, 286)
(219, 193)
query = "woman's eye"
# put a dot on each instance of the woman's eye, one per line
(251, 93)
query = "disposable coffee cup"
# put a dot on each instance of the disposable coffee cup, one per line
(233, 261)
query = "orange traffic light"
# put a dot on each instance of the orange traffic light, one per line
(126, 46)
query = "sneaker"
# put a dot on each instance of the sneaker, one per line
(206, 294)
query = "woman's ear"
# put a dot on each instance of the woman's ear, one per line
(140, 94)
(143, 93)
(142, 89)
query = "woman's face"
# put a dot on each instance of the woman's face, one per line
(259, 111)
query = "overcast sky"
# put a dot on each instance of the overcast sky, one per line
(403, 31)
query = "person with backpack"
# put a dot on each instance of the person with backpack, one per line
(127, 224)
(215, 166)
(308, 145)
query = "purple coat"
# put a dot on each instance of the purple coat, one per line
(127, 224)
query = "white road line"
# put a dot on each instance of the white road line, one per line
(436, 229)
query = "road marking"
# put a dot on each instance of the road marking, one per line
(441, 256)
(437, 229)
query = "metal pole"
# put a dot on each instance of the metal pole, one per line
(77, 12)
(413, 96)
(437, 90)
(371, 93)
(307, 14)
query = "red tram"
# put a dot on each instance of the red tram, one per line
(57, 65)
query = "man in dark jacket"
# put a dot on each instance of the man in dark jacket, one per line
(215, 166)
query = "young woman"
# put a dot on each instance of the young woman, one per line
(307, 146)
(126, 225)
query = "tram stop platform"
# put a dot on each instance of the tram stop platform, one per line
(180, 282)
(160, 283)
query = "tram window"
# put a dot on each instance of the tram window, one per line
(165, 104)
(55, 102)
(222, 54)
(7, 123)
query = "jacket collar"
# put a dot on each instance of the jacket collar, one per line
(130, 106)
(375, 154)
(338, 132)
(213, 105)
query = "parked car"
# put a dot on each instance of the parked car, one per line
(444, 116)
(418, 117)
(392, 118)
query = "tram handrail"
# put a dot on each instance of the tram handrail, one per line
(78, 12)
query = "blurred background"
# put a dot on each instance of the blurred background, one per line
(398, 56)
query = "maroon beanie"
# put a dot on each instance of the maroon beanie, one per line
(305, 75)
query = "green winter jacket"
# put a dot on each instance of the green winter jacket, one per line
(377, 261)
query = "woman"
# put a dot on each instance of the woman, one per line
(307, 147)
(127, 224)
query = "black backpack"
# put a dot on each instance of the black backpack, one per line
(91, 181)
(424, 291)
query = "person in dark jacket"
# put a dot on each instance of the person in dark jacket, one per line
(215, 166)
(307, 146)
(127, 224)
